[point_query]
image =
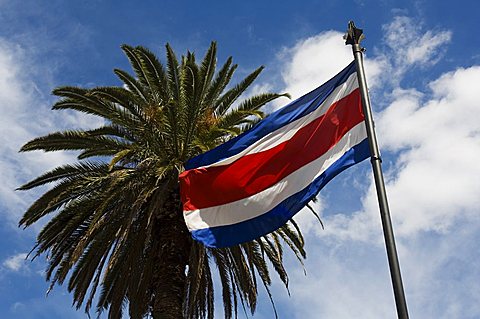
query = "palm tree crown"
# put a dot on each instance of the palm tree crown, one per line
(117, 225)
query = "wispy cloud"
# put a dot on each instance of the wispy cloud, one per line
(408, 46)
(16, 262)
(52, 307)
(25, 114)
(411, 45)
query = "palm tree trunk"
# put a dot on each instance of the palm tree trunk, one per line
(171, 262)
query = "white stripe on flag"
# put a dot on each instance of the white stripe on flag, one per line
(262, 202)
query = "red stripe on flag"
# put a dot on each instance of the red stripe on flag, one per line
(252, 173)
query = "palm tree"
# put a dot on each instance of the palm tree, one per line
(117, 234)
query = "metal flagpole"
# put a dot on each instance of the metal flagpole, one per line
(354, 36)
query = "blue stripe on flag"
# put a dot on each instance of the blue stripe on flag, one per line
(293, 111)
(224, 236)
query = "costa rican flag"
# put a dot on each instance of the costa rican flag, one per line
(255, 182)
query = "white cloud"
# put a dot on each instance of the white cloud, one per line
(331, 290)
(315, 60)
(26, 114)
(350, 279)
(430, 140)
(16, 262)
(439, 143)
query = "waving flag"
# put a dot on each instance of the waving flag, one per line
(255, 182)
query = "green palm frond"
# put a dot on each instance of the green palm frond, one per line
(219, 82)
(207, 69)
(65, 171)
(256, 102)
(155, 73)
(139, 70)
(133, 85)
(173, 75)
(73, 140)
(228, 98)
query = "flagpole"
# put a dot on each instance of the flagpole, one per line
(354, 36)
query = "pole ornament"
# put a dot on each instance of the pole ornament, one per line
(354, 35)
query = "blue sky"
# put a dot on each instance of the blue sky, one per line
(423, 68)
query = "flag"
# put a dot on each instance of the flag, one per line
(254, 183)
